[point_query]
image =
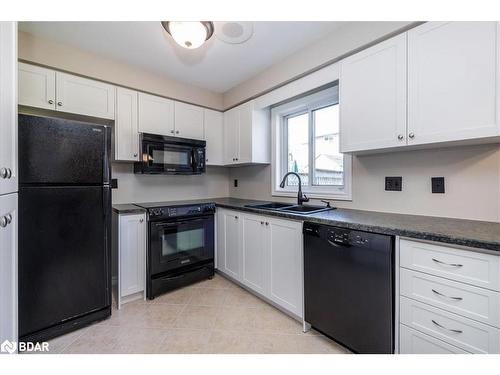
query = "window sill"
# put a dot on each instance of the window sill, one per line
(314, 195)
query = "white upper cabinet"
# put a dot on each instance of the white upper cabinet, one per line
(231, 135)
(247, 135)
(8, 107)
(84, 96)
(37, 86)
(373, 97)
(214, 136)
(126, 125)
(45, 88)
(453, 81)
(188, 121)
(156, 115)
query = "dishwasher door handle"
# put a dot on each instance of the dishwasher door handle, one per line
(334, 244)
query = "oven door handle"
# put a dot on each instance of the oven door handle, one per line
(175, 223)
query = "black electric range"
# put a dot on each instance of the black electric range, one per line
(180, 245)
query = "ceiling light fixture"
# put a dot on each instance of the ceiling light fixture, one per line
(189, 34)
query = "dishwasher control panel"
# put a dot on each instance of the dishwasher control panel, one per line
(338, 235)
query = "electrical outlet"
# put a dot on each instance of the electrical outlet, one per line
(235, 183)
(393, 183)
(437, 185)
(114, 183)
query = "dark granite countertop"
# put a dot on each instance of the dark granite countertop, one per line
(127, 208)
(470, 233)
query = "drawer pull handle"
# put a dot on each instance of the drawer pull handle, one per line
(445, 296)
(448, 264)
(448, 329)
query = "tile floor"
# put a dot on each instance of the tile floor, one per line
(213, 316)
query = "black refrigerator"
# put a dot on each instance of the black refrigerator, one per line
(64, 226)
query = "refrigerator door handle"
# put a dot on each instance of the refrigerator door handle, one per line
(106, 173)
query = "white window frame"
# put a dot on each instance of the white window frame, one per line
(305, 104)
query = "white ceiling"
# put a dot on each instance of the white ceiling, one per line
(216, 66)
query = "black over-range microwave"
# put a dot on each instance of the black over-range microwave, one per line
(170, 155)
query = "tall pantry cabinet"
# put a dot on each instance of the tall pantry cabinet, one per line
(8, 181)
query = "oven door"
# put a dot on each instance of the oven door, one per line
(166, 158)
(179, 243)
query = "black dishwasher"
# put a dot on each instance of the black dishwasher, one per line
(349, 286)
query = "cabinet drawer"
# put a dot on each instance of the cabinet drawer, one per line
(415, 342)
(470, 301)
(456, 330)
(461, 265)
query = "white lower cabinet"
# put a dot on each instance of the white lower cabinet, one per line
(285, 259)
(131, 257)
(253, 244)
(8, 267)
(449, 300)
(413, 341)
(264, 254)
(454, 329)
(228, 243)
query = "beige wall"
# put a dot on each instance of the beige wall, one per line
(347, 38)
(154, 188)
(64, 57)
(472, 176)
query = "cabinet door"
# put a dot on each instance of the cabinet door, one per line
(285, 260)
(156, 115)
(229, 258)
(231, 135)
(214, 135)
(84, 96)
(126, 129)
(188, 121)
(373, 97)
(37, 86)
(452, 81)
(8, 267)
(254, 243)
(132, 253)
(8, 107)
(245, 135)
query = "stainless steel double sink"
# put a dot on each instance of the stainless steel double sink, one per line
(287, 207)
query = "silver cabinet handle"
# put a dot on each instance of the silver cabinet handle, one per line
(9, 173)
(3, 173)
(9, 218)
(176, 132)
(59, 104)
(447, 264)
(4, 221)
(172, 131)
(135, 155)
(51, 101)
(236, 217)
(141, 221)
(261, 223)
(411, 135)
(267, 223)
(400, 137)
(448, 329)
(445, 296)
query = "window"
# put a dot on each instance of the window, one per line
(306, 141)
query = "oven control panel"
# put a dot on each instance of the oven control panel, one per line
(176, 211)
